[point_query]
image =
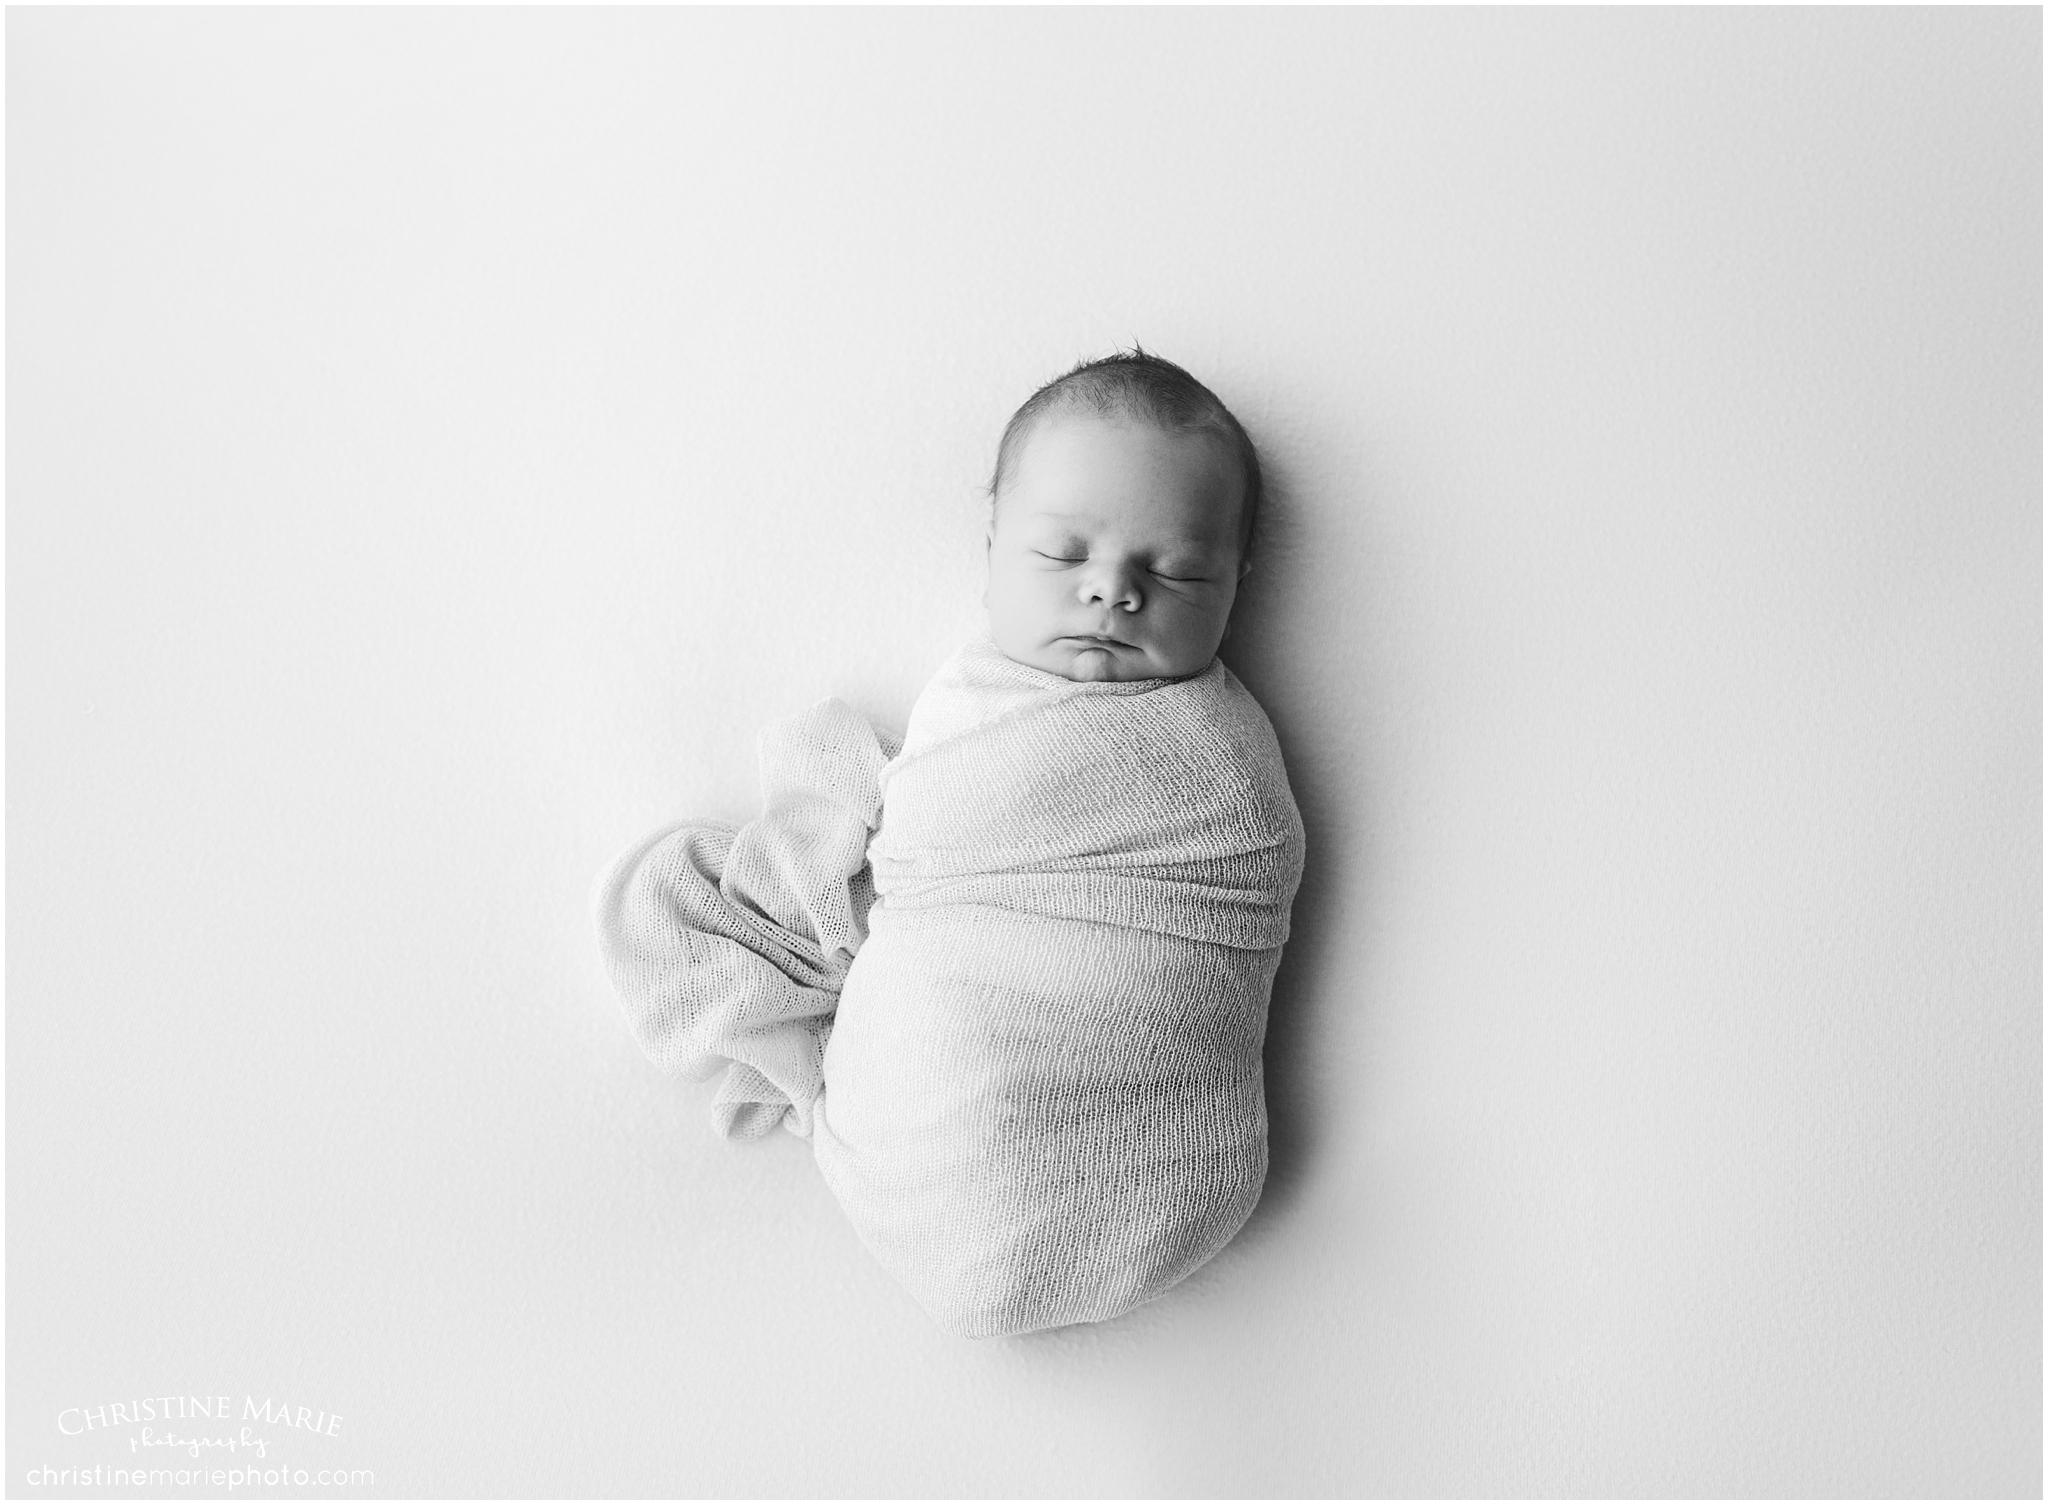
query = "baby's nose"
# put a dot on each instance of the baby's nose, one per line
(1112, 585)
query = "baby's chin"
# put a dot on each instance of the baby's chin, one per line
(1105, 664)
(1098, 665)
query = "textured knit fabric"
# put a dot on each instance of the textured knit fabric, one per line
(1030, 1072)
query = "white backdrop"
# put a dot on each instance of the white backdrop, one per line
(438, 440)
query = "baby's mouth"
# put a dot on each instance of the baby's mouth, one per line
(1095, 640)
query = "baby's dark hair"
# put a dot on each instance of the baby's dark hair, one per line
(1137, 385)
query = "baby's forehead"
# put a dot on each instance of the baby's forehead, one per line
(1091, 468)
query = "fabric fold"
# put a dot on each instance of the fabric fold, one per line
(727, 945)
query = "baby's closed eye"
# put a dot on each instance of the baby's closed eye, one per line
(1173, 574)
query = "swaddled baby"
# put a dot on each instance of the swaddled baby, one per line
(1011, 979)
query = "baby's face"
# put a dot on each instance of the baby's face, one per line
(1114, 554)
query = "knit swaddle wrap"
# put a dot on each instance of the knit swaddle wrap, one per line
(1041, 1095)
(1044, 1100)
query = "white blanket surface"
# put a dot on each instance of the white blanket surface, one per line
(1010, 981)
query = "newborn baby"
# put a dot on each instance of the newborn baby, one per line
(1011, 979)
